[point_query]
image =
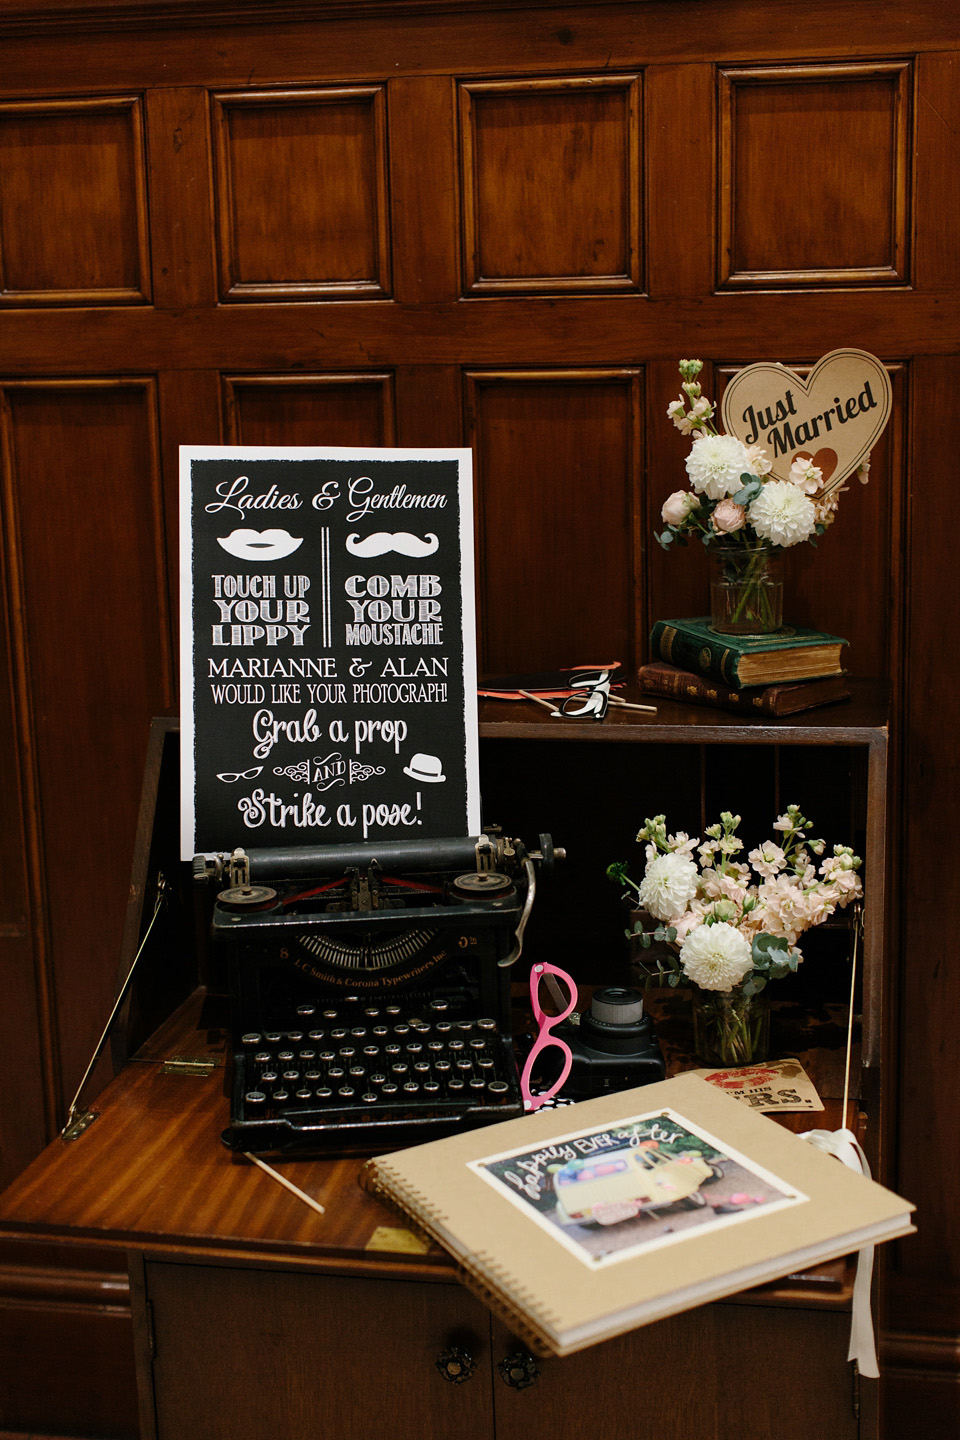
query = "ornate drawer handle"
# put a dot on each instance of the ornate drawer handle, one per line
(519, 1369)
(455, 1364)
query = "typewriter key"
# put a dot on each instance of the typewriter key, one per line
(455, 1085)
(414, 1048)
(280, 1097)
(465, 1066)
(438, 1005)
(380, 1031)
(347, 1052)
(294, 1036)
(378, 1079)
(306, 1011)
(390, 1088)
(327, 1056)
(284, 1055)
(486, 1024)
(431, 1087)
(307, 1054)
(437, 1046)
(401, 1029)
(444, 1026)
(478, 1044)
(485, 1063)
(456, 1046)
(304, 1094)
(290, 1075)
(273, 1037)
(393, 1010)
(316, 1034)
(411, 1088)
(312, 1075)
(442, 1067)
(391, 1049)
(263, 1057)
(400, 1068)
(499, 1089)
(323, 1092)
(422, 1067)
(255, 1099)
(373, 1011)
(476, 1084)
(336, 1072)
(359, 1031)
(251, 1039)
(339, 1033)
(369, 1098)
(371, 1050)
(330, 1014)
(269, 1077)
(346, 1092)
(465, 1026)
(357, 1071)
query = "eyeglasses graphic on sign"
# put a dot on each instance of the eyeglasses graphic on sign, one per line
(541, 975)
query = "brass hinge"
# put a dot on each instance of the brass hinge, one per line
(78, 1123)
(189, 1065)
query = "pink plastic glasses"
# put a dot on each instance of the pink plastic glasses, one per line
(545, 1037)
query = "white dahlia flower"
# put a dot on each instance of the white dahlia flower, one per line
(716, 957)
(782, 514)
(715, 464)
(669, 884)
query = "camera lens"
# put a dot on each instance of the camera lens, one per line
(616, 1006)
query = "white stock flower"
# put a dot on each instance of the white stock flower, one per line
(805, 475)
(758, 461)
(782, 514)
(768, 859)
(668, 885)
(715, 464)
(716, 957)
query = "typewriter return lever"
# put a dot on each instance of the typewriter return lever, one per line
(547, 855)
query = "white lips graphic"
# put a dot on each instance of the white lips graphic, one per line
(259, 545)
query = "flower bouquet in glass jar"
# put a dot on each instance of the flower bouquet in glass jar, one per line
(741, 513)
(726, 927)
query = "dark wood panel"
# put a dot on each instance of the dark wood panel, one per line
(791, 139)
(327, 234)
(73, 223)
(574, 330)
(551, 184)
(310, 409)
(181, 204)
(558, 467)
(356, 1356)
(86, 546)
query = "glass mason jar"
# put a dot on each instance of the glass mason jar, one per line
(746, 588)
(730, 1028)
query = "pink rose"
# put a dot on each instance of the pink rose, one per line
(677, 507)
(728, 517)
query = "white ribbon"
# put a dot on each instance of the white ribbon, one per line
(843, 1144)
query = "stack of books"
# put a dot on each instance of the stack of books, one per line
(791, 670)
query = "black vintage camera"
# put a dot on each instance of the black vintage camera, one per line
(613, 1046)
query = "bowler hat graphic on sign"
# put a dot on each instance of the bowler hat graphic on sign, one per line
(425, 767)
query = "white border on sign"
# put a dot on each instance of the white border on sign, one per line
(464, 461)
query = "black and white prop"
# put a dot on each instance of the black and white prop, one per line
(328, 660)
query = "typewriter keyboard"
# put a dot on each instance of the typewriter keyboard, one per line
(353, 1064)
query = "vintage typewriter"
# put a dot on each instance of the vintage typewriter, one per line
(370, 988)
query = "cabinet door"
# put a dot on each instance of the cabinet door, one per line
(723, 1370)
(251, 1354)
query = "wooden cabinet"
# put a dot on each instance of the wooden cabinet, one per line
(254, 1352)
(253, 1315)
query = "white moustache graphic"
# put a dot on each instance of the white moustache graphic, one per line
(381, 543)
(257, 545)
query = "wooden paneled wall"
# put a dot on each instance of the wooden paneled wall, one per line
(439, 223)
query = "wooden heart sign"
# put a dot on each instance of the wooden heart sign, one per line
(834, 417)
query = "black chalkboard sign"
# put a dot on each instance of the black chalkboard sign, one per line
(328, 655)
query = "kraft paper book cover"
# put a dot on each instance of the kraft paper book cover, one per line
(584, 1222)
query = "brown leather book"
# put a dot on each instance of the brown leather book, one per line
(658, 678)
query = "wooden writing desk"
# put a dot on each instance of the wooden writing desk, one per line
(256, 1317)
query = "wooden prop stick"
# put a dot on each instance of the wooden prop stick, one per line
(287, 1184)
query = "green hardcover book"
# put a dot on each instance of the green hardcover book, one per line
(793, 653)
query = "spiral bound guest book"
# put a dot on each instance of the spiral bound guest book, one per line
(589, 1221)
